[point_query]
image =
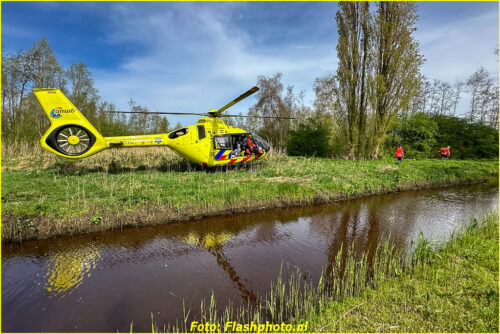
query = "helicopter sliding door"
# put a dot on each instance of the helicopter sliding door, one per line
(222, 147)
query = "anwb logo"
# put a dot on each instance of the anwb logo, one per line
(57, 112)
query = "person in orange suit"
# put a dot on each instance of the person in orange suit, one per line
(442, 150)
(399, 154)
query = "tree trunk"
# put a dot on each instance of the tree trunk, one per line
(377, 139)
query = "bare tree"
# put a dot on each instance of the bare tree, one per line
(22, 116)
(324, 90)
(446, 93)
(493, 107)
(477, 86)
(271, 102)
(459, 87)
(81, 89)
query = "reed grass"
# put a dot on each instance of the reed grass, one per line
(354, 297)
(291, 298)
(140, 186)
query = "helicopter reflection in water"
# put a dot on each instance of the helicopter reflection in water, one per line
(213, 243)
(67, 270)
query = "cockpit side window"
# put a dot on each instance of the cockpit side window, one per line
(222, 142)
(261, 142)
(178, 133)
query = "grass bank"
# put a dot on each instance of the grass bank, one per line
(43, 195)
(452, 287)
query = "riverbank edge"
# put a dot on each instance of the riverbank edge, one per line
(18, 229)
(451, 288)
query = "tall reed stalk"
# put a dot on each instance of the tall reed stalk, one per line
(290, 299)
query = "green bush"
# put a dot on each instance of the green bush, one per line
(417, 135)
(310, 138)
(422, 135)
(468, 140)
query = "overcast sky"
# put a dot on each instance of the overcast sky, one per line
(193, 57)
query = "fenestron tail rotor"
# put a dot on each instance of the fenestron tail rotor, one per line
(72, 140)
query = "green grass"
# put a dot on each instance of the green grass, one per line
(451, 287)
(452, 290)
(155, 186)
(291, 298)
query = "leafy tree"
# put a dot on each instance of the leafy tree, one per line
(417, 135)
(396, 65)
(422, 135)
(353, 73)
(326, 111)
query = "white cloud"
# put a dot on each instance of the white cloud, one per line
(455, 50)
(193, 59)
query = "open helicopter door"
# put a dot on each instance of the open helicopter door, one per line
(222, 147)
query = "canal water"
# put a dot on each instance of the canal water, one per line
(105, 281)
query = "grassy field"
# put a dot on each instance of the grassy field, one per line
(452, 287)
(44, 195)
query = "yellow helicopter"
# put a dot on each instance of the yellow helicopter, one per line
(209, 143)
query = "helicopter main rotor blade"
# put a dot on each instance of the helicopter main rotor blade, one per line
(191, 113)
(236, 100)
(251, 116)
(162, 113)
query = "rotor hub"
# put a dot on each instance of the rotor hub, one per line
(73, 140)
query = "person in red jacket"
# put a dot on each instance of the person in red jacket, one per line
(252, 148)
(442, 150)
(399, 154)
(445, 152)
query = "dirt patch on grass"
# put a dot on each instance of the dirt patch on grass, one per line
(283, 179)
(388, 168)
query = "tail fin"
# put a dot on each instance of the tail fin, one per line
(70, 134)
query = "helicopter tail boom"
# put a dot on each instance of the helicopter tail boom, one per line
(72, 136)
